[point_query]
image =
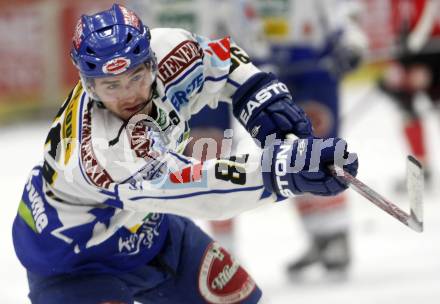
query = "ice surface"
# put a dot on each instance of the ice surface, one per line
(391, 262)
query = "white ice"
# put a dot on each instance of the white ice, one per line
(391, 263)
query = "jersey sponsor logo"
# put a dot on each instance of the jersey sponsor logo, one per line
(69, 124)
(62, 134)
(77, 36)
(130, 18)
(261, 97)
(221, 48)
(222, 279)
(116, 66)
(142, 236)
(37, 205)
(183, 96)
(187, 175)
(180, 58)
(94, 171)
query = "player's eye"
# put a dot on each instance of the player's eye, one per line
(112, 86)
(137, 77)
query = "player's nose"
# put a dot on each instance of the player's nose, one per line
(127, 97)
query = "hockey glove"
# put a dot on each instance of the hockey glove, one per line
(301, 166)
(264, 106)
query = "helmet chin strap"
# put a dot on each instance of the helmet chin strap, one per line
(149, 100)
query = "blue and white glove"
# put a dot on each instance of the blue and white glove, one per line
(264, 106)
(295, 167)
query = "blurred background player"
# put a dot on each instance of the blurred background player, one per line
(313, 45)
(416, 70)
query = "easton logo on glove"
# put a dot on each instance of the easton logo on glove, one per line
(261, 97)
(301, 166)
(264, 106)
(281, 166)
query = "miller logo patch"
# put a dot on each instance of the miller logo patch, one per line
(116, 66)
(221, 279)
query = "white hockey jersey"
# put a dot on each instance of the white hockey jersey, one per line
(106, 185)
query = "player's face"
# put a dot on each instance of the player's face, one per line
(127, 93)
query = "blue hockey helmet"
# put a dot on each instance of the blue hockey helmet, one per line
(110, 42)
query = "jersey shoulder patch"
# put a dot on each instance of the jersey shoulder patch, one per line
(176, 51)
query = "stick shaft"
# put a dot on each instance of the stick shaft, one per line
(373, 197)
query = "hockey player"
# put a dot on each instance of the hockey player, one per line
(319, 42)
(415, 70)
(102, 220)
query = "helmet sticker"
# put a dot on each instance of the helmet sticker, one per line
(116, 66)
(77, 35)
(118, 43)
(130, 18)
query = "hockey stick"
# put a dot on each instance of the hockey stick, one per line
(414, 181)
